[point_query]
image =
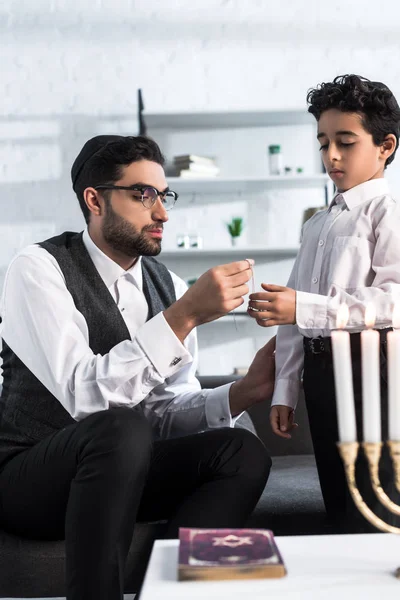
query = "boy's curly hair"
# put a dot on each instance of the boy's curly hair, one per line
(372, 100)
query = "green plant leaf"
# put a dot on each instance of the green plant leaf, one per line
(235, 227)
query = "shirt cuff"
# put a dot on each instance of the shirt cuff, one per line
(218, 412)
(286, 393)
(311, 310)
(162, 347)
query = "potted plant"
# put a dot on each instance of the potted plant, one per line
(235, 228)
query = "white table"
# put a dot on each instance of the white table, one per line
(324, 567)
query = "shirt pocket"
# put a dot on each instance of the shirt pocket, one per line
(350, 262)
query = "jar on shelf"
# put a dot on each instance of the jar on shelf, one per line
(275, 159)
(183, 240)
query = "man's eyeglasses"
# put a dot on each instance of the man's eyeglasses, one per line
(146, 194)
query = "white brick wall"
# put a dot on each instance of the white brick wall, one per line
(70, 69)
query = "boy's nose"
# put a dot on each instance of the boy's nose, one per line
(333, 153)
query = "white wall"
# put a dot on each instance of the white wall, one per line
(70, 70)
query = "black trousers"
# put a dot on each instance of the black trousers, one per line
(91, 481)
(321, 407)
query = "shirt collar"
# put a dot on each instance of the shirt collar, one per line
(363, 192)
(108, 269)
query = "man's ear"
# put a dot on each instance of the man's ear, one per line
(94, 204)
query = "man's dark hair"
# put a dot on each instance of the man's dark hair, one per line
(106, 165)
(372, 100)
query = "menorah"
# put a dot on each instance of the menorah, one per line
(348, 445)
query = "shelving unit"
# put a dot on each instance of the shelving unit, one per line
(178, 131)
(233, 253)
(228, 120)
(221, 185)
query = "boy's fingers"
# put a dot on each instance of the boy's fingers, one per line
(274, 421)
(270, 287)
(262, 296)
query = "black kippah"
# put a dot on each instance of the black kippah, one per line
(89, 149)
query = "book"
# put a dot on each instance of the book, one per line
(215, 554)
(188, 174)
(189, 158)
(195, 168)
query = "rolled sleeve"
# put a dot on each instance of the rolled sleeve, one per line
(157, 340)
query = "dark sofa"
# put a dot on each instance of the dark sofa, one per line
(291, 504)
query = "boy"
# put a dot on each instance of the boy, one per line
(350, 253)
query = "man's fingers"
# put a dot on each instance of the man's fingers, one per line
(238, 292)
(238, 278)
(236, 267)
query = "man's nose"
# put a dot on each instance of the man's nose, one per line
(159, 212)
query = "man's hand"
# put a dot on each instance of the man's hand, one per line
(258, 384)
(282, 420)
(275, 306)
(216, 293)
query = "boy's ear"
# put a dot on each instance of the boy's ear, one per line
(388, 146)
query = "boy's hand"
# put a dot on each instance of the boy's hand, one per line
(281, 419)
(275, 306)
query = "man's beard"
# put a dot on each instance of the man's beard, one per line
(123, 237)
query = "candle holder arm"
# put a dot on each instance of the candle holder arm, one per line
(372, 451)
(394, 450)
(348, 452)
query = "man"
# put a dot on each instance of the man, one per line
(103, 420)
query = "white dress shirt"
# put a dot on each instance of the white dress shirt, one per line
(349, 253)
(41, 324)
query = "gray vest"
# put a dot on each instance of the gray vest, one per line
(28, 411)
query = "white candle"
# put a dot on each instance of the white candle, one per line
(371, 390)
(343, 378)
(393, 347)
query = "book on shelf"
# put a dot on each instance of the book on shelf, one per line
(194, 158)
(191, 165)
(216, 554)
(194, 168)
(189, 174)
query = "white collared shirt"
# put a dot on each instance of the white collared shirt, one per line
(350, 253)
(41, 324)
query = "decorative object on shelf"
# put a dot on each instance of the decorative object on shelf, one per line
(235, 228)
(195, 241)
(288, 170)
(299, 170)
(309, 212)
(142, 123)
(191, 281)
(348, 445)
(242, 371)
(275, 159)
(183, 240)
(192, 166)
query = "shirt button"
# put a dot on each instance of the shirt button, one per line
(310, 323)
(315, 279)
(321, 243)
(222, 419)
